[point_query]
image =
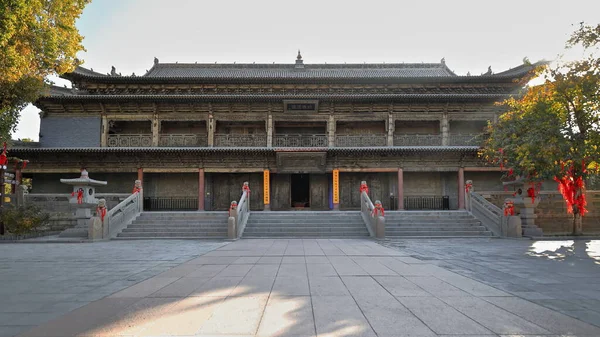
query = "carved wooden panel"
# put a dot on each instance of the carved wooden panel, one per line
(319, 192)
(280, 192)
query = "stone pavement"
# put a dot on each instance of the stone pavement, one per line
(325, 288)
(42, 281)
(562, 275)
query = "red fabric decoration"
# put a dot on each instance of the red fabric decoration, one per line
(572, 189)
(25, 164)
(509, 209)
(378, 209)
(101, 212)
(531, 194)
(136, 190)
(246, 188)
(3, 158)
(364, 188)
(468, 187)
(80, 196)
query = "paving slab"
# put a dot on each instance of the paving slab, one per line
(291, 316)
(293, 287)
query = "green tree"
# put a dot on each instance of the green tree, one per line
(552, 132)
(37, 38)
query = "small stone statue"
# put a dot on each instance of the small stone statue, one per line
(246, 188)
(378, 210)
(137, 187)
(25, 189)
(469, 186)
(232, 207)
(101, 209)
(509, 207)
(113, 71)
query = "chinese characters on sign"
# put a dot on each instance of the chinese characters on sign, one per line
(336, 186)
(301, 107)
(266, 187)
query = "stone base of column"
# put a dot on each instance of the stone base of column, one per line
(336, 207)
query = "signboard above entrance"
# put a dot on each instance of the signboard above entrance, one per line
(300, 106)
(301, 162)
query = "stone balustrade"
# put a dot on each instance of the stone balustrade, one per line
(233, 140)
(417, 140)
(300, 140)
(126, 140)
(182, 140)
(360, 140)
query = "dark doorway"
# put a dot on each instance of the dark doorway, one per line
(300, 190)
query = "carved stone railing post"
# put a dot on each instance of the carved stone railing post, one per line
(232, 221)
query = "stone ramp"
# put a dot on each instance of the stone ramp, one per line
(305, 224)
(433, 224)
(177, 225)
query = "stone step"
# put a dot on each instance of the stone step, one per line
(307, 229)
(441, 224)
(302, 235)
(298, 223)
(429, 229)
(171, 234)
(169, 225)
(439, 233)
(169, 238)
(176, 222)
(181, 230)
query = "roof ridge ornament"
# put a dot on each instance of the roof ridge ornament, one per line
(443, 60)
(489, 71)
(155, 60)
(299, 62)
(113, 71)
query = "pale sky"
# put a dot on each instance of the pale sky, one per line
(470, 34)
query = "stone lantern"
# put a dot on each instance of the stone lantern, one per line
(527, 207)
(83, 198)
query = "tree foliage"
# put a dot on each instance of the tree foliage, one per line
(552, 131)
(37, 38)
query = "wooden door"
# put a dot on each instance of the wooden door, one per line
(319, 192)
(280, 192)
(350, 189)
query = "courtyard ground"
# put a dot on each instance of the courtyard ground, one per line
(475, 287)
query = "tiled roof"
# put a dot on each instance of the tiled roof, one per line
(276, 97)
(378, 149)
(233, 71)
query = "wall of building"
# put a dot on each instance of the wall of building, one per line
(467, 127)
(362, 128)
(58, 131)
(223, 188)
(417, 127)
(171, 185)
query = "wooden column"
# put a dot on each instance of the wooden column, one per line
(445, 126)
(270, 129)
(331, 131)
(155, 130)
(400, 189)
(201, 189)
(461, 188)
(104, 132)
(140, 176)
(391, 127)
(211, 130)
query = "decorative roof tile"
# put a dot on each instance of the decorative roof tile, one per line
(313, 71)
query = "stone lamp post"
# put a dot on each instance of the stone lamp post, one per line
(84, 200)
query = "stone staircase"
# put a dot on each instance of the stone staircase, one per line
(305, 224)
(433, 224)
(177, 225)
